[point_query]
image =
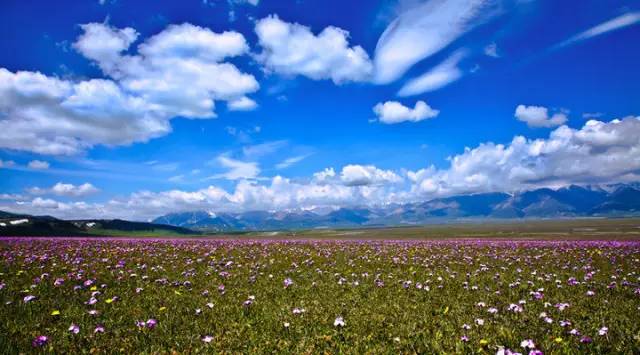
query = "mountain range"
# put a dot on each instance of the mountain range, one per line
(27, 225)
(572, 201)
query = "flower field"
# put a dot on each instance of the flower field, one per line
(203, 296)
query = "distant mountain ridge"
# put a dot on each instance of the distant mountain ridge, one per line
(571, 201)
(26, 225)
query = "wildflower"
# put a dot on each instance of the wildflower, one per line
(575, 332)
(483, 342)
(396, 339)
(74, 328)
(286, 324)
(55, 313)
(558, 340)
(297, 311)
(464, 338)
(39, 341)
(207, 338)
(480, 321)
(590, 293)
(603, 331)
(99, 329)
(287, 282)
(151, 323)
(210, 305)
(339, 322)
(198, 311)
(528, 344)
(585, 339)
(93, 312)
(492, 310)
(466, 326)
(28, 299)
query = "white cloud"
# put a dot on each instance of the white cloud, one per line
(292, 49)
(538, 116)
(437, 77)
(38, 165)
(290, 161)
(242, 104)
(392, 112)
(237, 170)
(622, 21)
(599, 152)
(491, 50)
(423, 30)
(178, 72)
(66, 190)
(361, 175)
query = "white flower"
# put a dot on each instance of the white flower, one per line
(339, 322)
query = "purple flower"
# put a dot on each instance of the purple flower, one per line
(151, 323)
(603, 331)
(287, 282)
(585, 339)
(99, 329)
(28, 299)
(39, 341)
(74, 328)
(464, 338)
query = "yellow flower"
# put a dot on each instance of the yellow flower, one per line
(162, 308)
(558, 340)
(109, 300)
(446, 310)
(55, 313)
(177, 293)
(93, 288)
(483, 342)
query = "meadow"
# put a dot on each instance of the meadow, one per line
(108, 295)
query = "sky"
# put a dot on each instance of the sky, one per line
(135, 109)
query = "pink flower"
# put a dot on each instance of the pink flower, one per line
(603, 331)
(99, 329)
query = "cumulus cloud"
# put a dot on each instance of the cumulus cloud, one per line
(622, 21)
(425, 29)
(178, 72)
(599, 152)
(38, 165)
(538, 116)
(437, 77)
(66, 190)
(392, 112)
(363, 175)
(242, 104)
(292, 49)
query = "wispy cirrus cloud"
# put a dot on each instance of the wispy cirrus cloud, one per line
(425, 29)
(622, 21)
(439, 76)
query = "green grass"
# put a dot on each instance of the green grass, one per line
(330, 279)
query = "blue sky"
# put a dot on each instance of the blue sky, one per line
(135, 109)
